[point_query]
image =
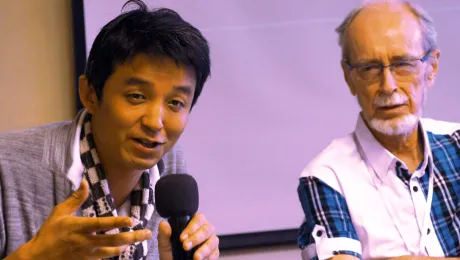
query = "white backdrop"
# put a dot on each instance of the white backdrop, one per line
(275, 99)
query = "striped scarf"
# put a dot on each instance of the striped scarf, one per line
(100, 203)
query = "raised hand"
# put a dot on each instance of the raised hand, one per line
(65, 236)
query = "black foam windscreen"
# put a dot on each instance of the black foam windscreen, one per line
(176, 195)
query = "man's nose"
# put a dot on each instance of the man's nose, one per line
(153, 117)
(388, 83)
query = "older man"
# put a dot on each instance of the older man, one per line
(392, 187)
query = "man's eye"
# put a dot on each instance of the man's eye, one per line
(369, 68)
(136, 96)
(402, 64)
(177, 103)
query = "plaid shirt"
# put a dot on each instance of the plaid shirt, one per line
(325, 206)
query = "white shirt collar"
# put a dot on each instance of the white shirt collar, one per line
(378, 156)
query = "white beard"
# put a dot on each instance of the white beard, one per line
(396, 126)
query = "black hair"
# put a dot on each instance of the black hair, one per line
(158, 33)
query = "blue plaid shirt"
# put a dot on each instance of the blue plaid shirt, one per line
(325, 206)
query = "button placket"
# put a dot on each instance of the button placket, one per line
(419, 201)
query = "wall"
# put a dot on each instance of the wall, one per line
(36, 65)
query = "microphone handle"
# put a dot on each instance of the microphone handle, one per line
(178, 224)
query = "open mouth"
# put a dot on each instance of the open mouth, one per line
(147, 143)
(391, 107)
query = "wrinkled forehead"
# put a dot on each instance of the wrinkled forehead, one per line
(383, 31)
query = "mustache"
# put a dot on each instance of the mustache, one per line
(384, 100)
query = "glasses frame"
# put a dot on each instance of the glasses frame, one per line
(381, 67)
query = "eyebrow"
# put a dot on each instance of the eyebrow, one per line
(134, 81)
(368, 61)
(392, 59)
(187, 90)
(403, 57)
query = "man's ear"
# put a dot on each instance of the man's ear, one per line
(433, 67)
(87, 94)
(348, 80)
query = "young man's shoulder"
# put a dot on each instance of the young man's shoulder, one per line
(173, 162)
(34, 144)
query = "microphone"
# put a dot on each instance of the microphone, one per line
(176, 199)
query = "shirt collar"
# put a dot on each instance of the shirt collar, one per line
(75, 172)
(379, 158)
(426, 149)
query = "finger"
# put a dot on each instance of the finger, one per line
(120, 239)
(199, 237)
(195, 223)
(206, 250)
(164, 235)
(106, 252)
(215, 254)
(74, 202)
(89, 225)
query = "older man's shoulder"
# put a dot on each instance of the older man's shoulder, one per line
(439, 127)
(340, 153)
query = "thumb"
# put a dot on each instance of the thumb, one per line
(78, 197)
(164, 243)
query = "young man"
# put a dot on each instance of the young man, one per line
(84, 189)
(391, 188)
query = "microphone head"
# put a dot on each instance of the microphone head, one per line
(176, 195)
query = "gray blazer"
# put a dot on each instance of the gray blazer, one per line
(33, 180)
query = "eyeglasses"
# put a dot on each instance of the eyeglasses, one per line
(401, 70)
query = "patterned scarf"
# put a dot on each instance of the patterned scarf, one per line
(100, 203)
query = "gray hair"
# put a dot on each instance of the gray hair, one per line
(426, 25)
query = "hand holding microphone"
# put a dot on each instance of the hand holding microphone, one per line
(176, 199)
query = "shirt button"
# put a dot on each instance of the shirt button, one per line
(415, 188)
(319, 233)
(428, 231)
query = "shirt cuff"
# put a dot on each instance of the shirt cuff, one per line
(326, 248)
